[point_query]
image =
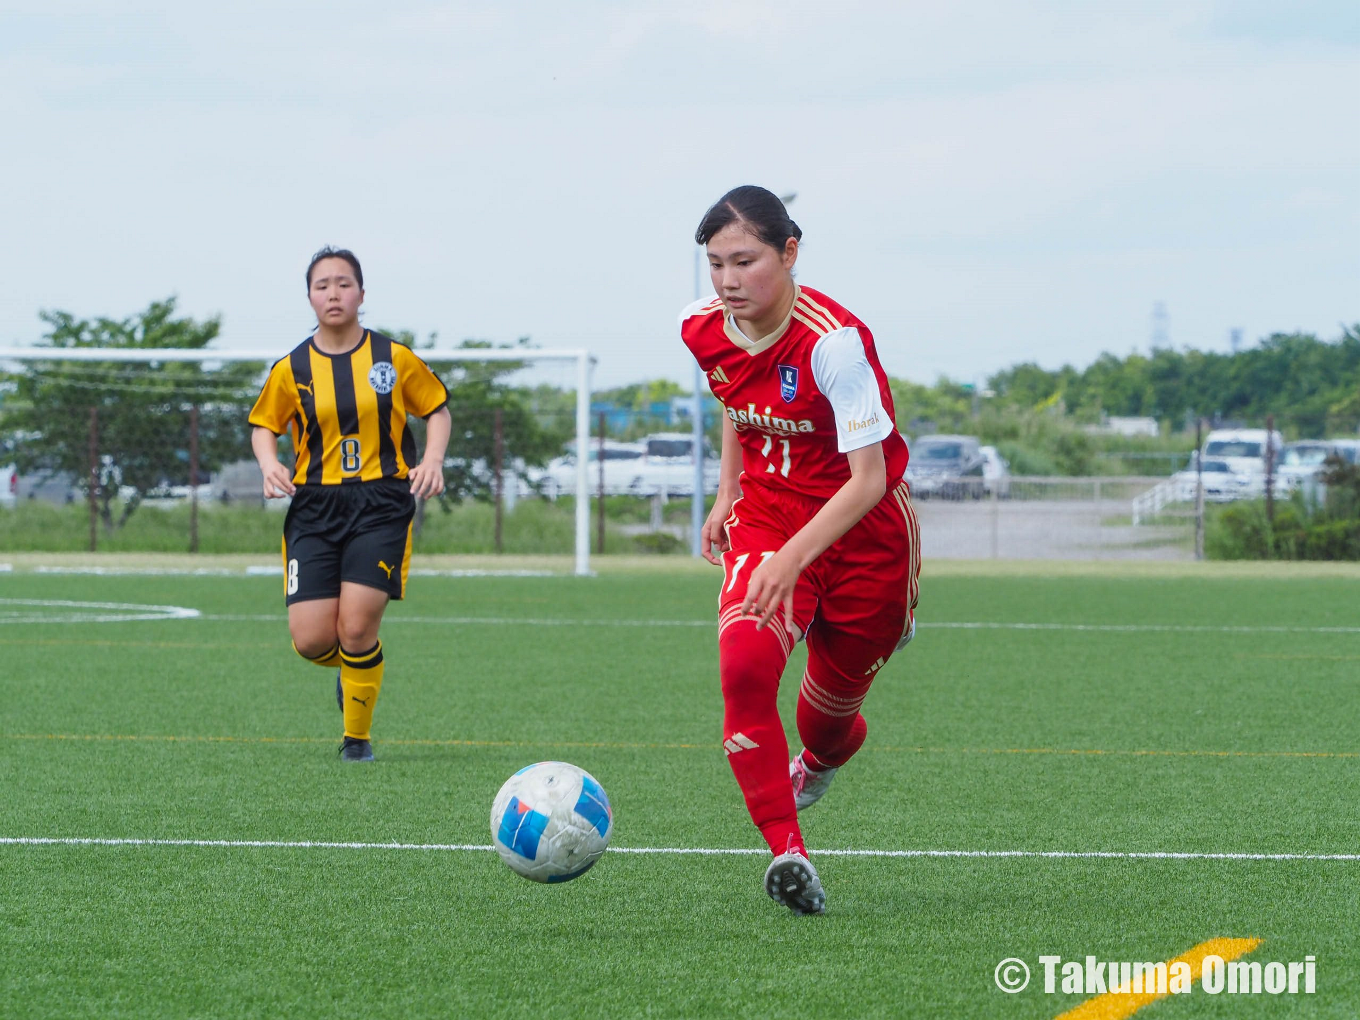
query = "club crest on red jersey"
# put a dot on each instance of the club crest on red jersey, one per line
(788, 382)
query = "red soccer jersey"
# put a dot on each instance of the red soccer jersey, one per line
(802, 397)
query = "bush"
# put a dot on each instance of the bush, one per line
(1239, 531)
(1242, 531)
(1025, 460)
(536, 527)
(1332, 540)
(658, 542)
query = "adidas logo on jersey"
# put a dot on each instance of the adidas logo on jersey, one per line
(718, 375)
(876, 667)
(738, 742)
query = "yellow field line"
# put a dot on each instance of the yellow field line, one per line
(1118, 752)
(1118, 1005)
(639, 745)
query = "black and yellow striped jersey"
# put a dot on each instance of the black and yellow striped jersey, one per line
(347, 412)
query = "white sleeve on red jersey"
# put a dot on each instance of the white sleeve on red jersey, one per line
(844, 375)
(694, 308)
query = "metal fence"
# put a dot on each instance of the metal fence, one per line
(1054, 518)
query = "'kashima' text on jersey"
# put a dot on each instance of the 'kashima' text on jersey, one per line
(801, 398)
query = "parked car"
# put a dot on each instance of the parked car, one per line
(1221, 482)
(668, 465)
(59, 488)
(675, 477)
(948, 467)
(622, 470)
(1300, 464)
(1348, 450)
(675, 446)
(996, 472)
(1244, 450)
(168, 495)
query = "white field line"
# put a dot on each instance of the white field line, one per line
(253, 571)
(128, 612)
(498, 621)
(143, 571)
(110, 612)
(691, 851)
(1170, 628)
(527, 621)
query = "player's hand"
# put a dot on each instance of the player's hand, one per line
(714, 532)
(771, 588)
(426, 480)
(278, 482)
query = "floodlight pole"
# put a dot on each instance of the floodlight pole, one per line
(582, 455)
(696, 513)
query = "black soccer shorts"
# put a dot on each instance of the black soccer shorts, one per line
(359, 533)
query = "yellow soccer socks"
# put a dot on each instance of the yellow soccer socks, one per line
(331, 658)
(361, 678)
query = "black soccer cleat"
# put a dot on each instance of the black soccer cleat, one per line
(354, 749)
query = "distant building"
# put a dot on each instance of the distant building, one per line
(1116, 426)
(682, 407)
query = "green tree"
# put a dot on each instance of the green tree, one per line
(645, 402)
(477, 390)
(142, 409)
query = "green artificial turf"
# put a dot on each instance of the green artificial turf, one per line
(1197, 730)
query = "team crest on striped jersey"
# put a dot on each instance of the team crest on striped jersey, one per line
(382, 377)
(788, 382)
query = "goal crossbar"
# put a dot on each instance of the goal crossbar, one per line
(581, 357)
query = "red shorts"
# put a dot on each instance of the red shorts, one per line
(855, 602)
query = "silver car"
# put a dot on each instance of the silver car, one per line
(946, 467)
(622, 470)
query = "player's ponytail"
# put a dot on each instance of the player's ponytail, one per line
(758, 209)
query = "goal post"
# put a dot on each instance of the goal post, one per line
(578, 359)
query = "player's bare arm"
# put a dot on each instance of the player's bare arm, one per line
(278, 480)
(427, 477)
(772, 583)
(729, 491)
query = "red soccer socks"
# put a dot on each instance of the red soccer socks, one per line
(751, 662)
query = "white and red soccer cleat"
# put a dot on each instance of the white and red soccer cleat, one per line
(792, 880)
(808, 784)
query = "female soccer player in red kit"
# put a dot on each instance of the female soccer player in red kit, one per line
(815, 526)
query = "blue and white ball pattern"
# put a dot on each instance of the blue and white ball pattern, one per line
(551, 821)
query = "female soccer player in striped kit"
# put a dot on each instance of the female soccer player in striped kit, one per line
(345, 393)
(813, 521)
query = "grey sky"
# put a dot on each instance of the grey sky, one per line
(981, 182)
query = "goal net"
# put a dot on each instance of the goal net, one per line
(137, 449)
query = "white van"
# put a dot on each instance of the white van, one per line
(1244, 451)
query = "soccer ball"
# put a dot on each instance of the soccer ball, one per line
(551, 821)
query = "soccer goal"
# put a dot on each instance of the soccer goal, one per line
(166, 429)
